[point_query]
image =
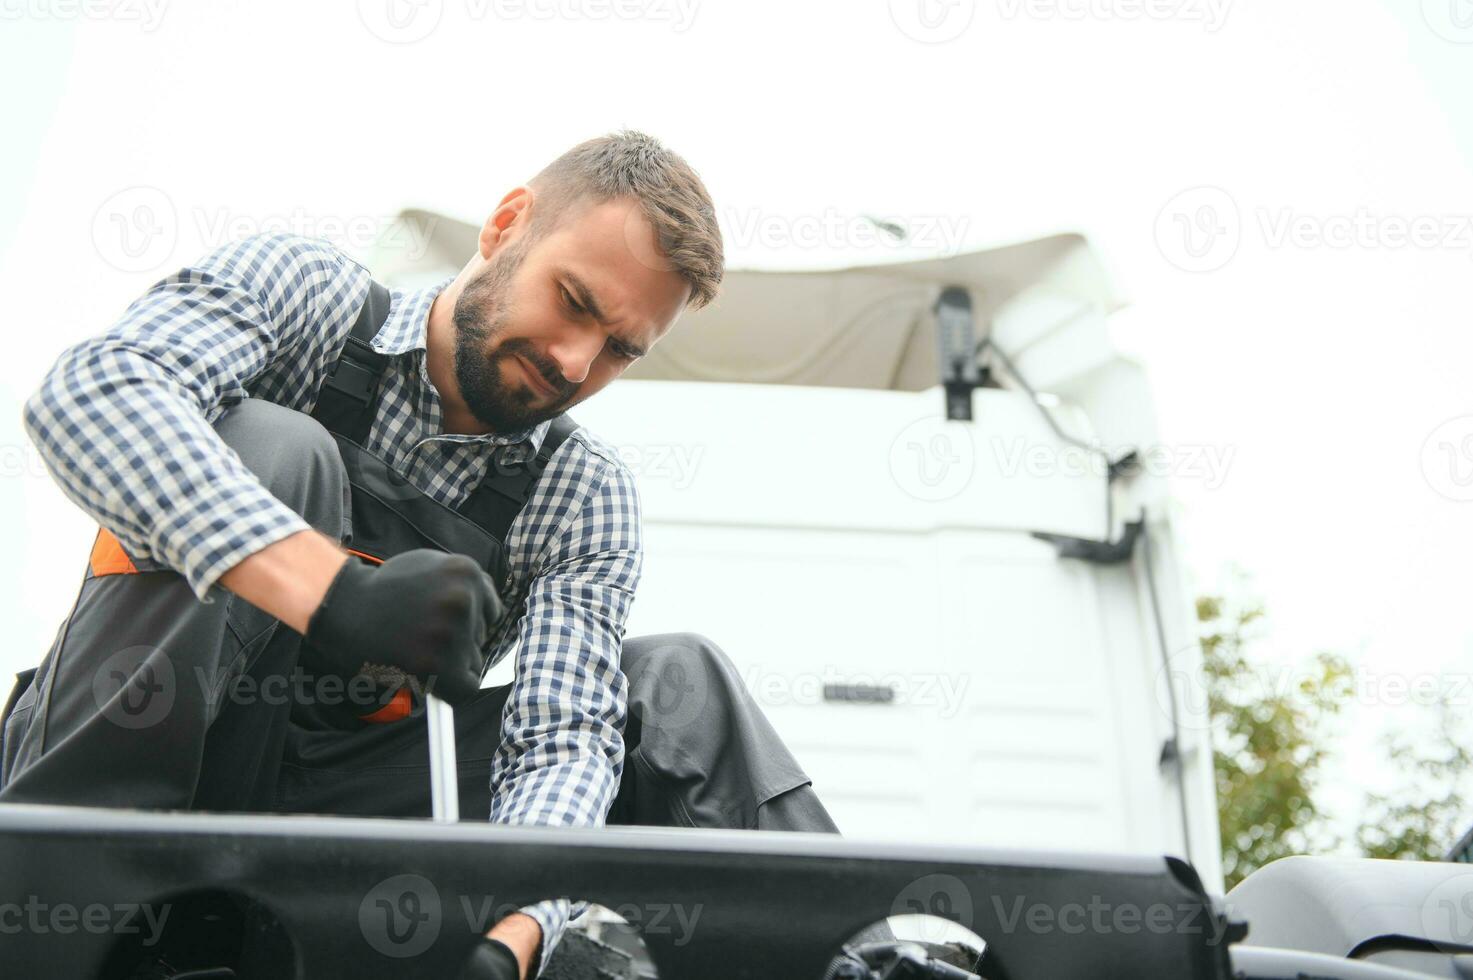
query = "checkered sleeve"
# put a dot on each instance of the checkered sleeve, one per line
(124, 420)
(562, 750)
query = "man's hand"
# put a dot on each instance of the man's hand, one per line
(506, 951)
(426, 612)
(490, 960)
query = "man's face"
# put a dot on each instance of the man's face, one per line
(551, 319)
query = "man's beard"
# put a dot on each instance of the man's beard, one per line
(480, 315)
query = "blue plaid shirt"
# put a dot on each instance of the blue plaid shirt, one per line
(125, 420)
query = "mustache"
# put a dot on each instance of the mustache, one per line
(545, 367)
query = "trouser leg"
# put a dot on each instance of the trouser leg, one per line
(120, 709)
(699, 752)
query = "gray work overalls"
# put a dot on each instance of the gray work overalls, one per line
(151, 698)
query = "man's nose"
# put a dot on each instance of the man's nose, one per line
(576, 352)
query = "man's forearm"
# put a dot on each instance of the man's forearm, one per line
(522, 936)
(289, 578)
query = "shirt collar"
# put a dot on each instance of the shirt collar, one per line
(404, 332)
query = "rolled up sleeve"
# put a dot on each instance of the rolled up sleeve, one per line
(124, 420)
(562, 749)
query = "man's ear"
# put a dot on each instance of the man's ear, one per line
(507, 221)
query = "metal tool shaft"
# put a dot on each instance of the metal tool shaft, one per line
(444, 779)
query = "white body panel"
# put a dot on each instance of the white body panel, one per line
(785, 523)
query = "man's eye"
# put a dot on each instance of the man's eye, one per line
(568, 298)
(624, 352)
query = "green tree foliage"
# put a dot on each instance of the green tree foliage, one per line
(1268, 748)
(1269, 730)
(1424, 818)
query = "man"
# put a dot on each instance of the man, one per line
(184, 431)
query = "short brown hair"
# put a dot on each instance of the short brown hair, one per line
(672, 197)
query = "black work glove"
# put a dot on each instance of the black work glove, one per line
(490, 960)
(424, 612)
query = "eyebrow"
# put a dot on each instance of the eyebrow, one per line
(586, 299)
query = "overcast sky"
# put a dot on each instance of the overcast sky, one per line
(1283, 190)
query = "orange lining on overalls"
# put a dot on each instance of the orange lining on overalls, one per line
(108, 556)
(398, 707)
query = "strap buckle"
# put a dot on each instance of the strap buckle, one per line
(354, 379)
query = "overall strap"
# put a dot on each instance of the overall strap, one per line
(505, 489)
(349, 395)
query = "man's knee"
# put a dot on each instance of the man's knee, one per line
(295, 458)
(660, 652)
(679, 679)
